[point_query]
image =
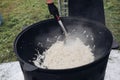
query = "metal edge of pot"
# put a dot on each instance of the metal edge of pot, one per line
(62, 70)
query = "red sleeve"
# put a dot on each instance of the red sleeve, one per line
(49, 1)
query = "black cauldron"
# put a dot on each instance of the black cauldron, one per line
(27, 41)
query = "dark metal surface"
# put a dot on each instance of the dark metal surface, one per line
(27, 41)
(90, 9)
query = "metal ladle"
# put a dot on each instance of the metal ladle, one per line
(62, 26)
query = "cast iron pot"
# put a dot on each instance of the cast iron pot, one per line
(92, 33)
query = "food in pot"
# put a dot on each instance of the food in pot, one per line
(64, 56)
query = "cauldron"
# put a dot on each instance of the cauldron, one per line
(28, 40)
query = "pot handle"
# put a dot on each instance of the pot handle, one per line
(28, 67)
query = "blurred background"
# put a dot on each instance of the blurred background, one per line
(16, 14)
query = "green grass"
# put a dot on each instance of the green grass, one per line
(20, 13)
(112, 13)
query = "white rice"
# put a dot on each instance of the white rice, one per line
(64, 56)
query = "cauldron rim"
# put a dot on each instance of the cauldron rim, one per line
(61, 70)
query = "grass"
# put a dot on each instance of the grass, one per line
(20, 13)
(112, 13)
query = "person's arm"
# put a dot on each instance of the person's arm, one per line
(49, 1)
(53, 9)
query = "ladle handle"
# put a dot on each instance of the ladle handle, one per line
(53, 10)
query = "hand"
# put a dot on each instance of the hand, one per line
(53, 10)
